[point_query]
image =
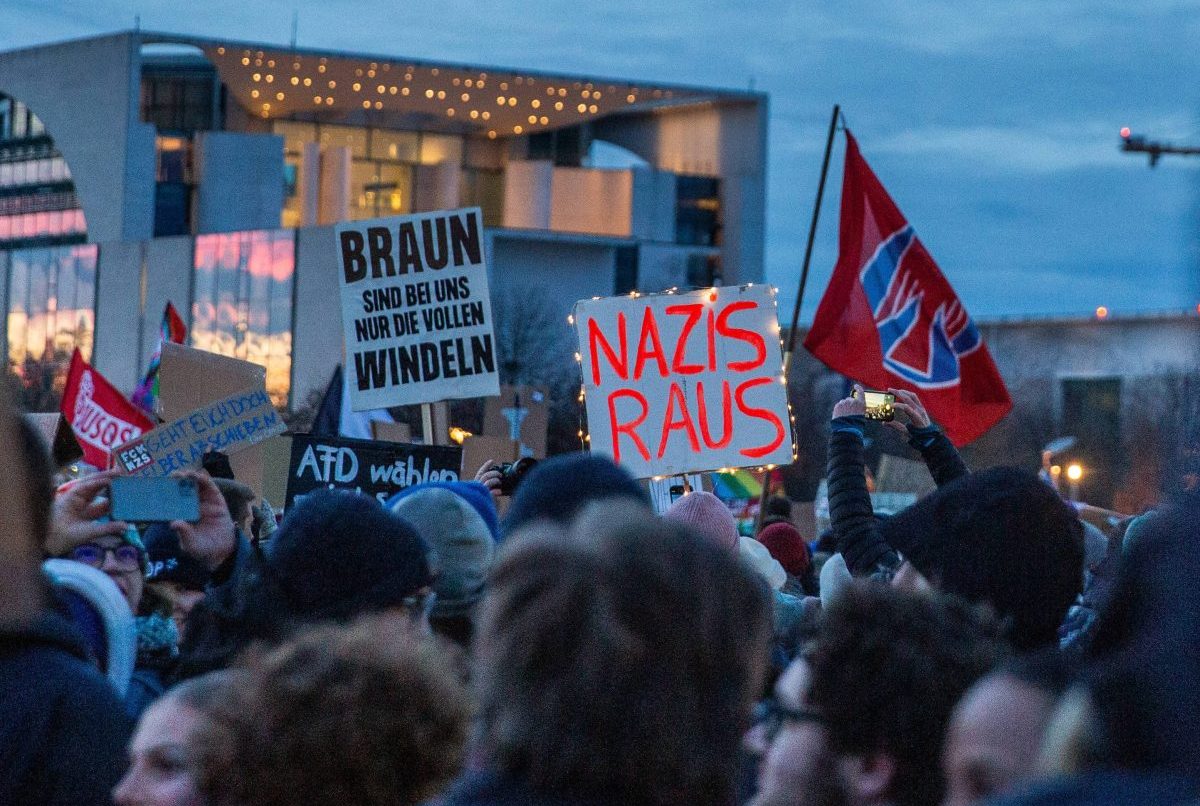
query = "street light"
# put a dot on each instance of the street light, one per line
(1074, 474)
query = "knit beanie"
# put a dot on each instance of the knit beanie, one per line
(458, 521)
(339, 554)
(169, 563)
(560, 487)
(786, 545)
(708, 516)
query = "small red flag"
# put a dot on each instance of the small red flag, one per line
(99, 415)
(889, 318)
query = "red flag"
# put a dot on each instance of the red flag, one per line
(890, 319)
(99, 415)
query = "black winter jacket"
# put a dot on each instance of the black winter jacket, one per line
(854, 523)
(63, 730)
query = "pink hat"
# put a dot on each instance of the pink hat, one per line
(708, 516)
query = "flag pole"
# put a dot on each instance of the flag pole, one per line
(812, 234)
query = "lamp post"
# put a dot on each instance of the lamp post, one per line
(1074, 475)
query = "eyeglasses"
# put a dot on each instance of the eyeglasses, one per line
(127, 557)
(771, 715)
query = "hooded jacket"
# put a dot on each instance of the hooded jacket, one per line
(63, 731)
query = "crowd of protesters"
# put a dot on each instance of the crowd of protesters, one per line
(583, 650)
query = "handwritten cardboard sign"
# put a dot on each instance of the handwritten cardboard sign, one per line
(377, 469)
(416, 311)
(228, 425)
(678, 383)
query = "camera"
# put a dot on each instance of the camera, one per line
(879, 405)
(511, 473)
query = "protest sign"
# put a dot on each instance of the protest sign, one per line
(677, 383)
(100, 415)
(416, 312)
(521, 415)
(189, 378)
(376, 469)
(229, 425)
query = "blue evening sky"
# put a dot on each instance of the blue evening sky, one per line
(993, 124)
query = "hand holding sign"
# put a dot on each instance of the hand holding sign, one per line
(212, 539)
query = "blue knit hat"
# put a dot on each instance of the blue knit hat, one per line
(559, 487)
(474, 493)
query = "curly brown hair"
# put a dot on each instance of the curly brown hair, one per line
(369, 713)
(887, 669)
(618, 661)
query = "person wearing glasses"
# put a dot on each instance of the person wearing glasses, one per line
(82, 530)
(859, 719)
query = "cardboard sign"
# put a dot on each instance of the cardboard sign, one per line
(522, 416)
(230, 425)
(378, 469)
(678, 383)
(188, 378)
(416, 312)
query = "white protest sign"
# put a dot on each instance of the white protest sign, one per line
(416, 312)
(229, 425)
(679, 383)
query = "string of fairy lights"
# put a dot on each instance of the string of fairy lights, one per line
(274, 84)
(709, 295)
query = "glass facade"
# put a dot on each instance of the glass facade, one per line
(51, 311)
(242, 300)
(38, 205)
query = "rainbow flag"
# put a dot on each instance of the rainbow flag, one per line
(173, 330)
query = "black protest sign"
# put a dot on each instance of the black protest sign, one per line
(377, 469)
(416, 313)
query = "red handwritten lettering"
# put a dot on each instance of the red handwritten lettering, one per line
(759, 414)
(749, 336)
(630, 428)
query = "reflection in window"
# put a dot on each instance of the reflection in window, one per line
(51, 311)
(243, 301)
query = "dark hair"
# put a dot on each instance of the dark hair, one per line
(1002, 537)
(560, 487)
(1047, 670)
(606, 672)
(364, 714)
(887, 669)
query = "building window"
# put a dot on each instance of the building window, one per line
(180, 100)
(698, 211)
(242, 301)
(51, 311)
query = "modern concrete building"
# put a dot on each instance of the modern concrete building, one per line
(141, 168)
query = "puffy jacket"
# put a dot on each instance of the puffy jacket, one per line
(63, 730)
(854, 522)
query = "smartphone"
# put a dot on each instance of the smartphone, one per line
(154, 500)
(880, 406)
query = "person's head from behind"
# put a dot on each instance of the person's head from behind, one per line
(163, 756)
(1001, 537)
(369, 713)
(560, 487)
(617, 660)
(997, 729)
(860, 719)
(338, 555)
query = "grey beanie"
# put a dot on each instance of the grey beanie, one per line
(462, 546)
